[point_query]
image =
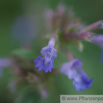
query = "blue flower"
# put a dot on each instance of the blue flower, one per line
(46, 63)
(73, 70)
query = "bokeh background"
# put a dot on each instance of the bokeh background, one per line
(14, 12)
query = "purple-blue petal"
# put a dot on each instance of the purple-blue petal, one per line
(73, 70)
(40, 63)
(37, 59)
(98, 39)
(50, 51)
(82, 82)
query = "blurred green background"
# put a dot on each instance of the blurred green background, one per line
(89, 11)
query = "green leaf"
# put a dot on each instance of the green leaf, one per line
(25, 53)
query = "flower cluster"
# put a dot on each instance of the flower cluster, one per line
(68, 30)
(64, 29)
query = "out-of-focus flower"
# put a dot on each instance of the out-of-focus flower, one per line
(84, 36)
(69, 28)
(73, 70)
(49, 54)
(98, 39)
(98, 24)
(44, 92)
(24, 29)
(3, 63)
(54, 18)
(101, 26)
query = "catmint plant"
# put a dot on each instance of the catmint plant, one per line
(63, 29)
